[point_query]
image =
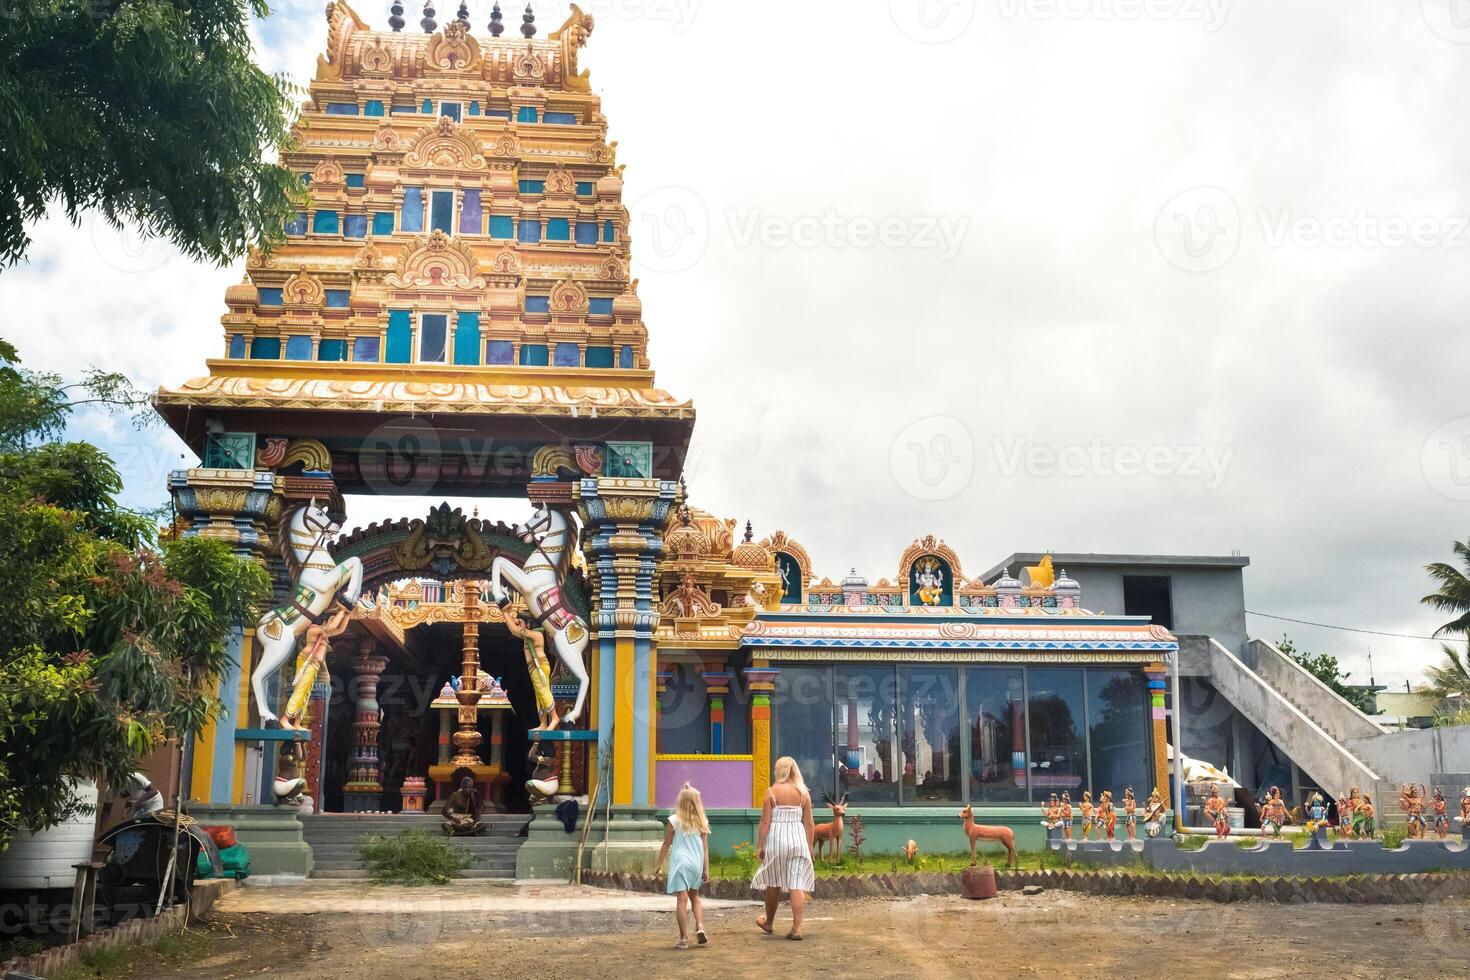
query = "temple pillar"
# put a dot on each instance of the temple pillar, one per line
(363, 791)
(234, 506)
(717, 687)
(761, 679)
(468, 738)
(661, 691)
(1158, 682)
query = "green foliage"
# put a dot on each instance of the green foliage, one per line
(746, 863)
(110, 646)
(1453, 596)
(859, 835)
(412, 858)
(1324, 667)
(150, 111)
(1450, 679)
(1393, 836)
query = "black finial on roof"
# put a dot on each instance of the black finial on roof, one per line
(497, 23)
(464, 14)
(396, 21)
(749, 532)
(528, 22)
(428, 23)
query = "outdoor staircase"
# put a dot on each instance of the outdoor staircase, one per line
(334, 839)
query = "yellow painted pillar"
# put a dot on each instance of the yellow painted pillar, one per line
(1158, 678)
(762, 680)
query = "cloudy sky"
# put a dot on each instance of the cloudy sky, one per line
(1181, 276)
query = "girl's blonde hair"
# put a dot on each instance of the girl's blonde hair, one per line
(786, 771)
(689, 811)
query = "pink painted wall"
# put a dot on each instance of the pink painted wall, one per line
(722, 782)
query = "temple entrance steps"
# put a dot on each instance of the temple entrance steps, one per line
(334, 839)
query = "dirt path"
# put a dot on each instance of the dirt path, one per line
(526, 932)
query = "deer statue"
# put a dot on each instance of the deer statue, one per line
(978, 832)
(831, 833)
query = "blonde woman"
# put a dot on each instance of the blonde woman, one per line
(686, 844)
(787, 836)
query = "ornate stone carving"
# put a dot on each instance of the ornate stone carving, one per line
(506, 145)
(454, 49)
(529, 65)
(506, 263)
(386, 138)
(271, 451)
(559, 182)
(443, 542)
(602, 153)
(328, 173)
(445, 145)
(437, 260)
(569, 296)
(310, 453)
(573, 35)
(375, 58)
(368, 257)
(781, 541)
(303, 290)
(929, 545)
(612, 269)
(688, 600)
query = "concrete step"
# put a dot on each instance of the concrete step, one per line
(360, 875)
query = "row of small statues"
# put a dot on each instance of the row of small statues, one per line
(1356, 816)
(1411, 799)
(1058, 814)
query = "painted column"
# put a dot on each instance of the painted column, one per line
(661, 690)
(231, 506)
(760, 677)
(468, 738)
(321, 695)
(363, 792)
(624, 519)
(717, 687)
(1158, 679)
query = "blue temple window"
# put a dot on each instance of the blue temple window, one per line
(625, 356)
(499, 352)
(584, 188)
(265, 348)
(526, 113)
(474, 108)
(427, 108)
(502, 226)
(237, 345)
(471, 214)
(608, 231)
(400, 337)
(534, 355)
(599, 357)
(558, 230)
(600, 306)
(586, 233)
(560, 118)
(441, 211)
(538, 304)
(568, 355)
(450, 109)
(497, 113)
(338, 298)
(433, 337)
(331, 350)
(413, 209)
(324, 223)
(467, 338)
(341, 108)
(357, 180)
(366, 349)
(372, 107)
(297, 226)
(382, 222)
(270, 296)
(298, 347)
(530, 231)
(354, 225)
(533, 186)
(406, 110)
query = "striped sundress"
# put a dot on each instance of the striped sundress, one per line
(788, 864)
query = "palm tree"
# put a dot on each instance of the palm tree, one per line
(1452, 677)
(1454, 592)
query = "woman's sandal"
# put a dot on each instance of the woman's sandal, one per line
(699, 936)
(682, 944)
(765, 927)
(793, 937)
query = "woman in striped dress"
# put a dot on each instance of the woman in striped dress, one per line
(785, 846)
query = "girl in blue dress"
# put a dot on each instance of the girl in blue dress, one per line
(686, 845)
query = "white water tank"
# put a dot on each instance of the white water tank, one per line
(45, 860)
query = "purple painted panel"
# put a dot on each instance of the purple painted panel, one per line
(723, 783)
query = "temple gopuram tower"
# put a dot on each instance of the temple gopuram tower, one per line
(451, 313)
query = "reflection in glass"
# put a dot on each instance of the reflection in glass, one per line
(865, 705)
(995, 709)
(1058, 749)
(801, 712)
(930, 719)
(683, 711)
(1120, 728)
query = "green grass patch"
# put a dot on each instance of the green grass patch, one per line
(412, 858)
(743, 864)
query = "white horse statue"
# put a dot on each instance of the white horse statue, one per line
(540, 582)
(320, 581)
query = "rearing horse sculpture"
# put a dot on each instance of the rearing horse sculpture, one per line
(541, 581)
(320, 581)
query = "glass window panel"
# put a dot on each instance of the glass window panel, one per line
(1120, 730)
(558, 230)
(560, 118)
(568, 355)
(866, 699)
(450, 109)
(297, 226)
(413, 209)
(471, 216)
(341, 108)
(538, 304)
(532, 186)
(474, 108)
(502, 226)
(365, 349)
(499, 352)
(467, 338)
(534, 355)
(929, 718)
(1056, 709)
(996, 713)
(599, 357)
(265, 348)
(526, 113)
(373, 107)
(586, 233)
(383, 223)
(585, 188)
(354, 225)
(338, 297)
(433, 337)
(625, 356)
(608, 231)
(270, 296)
(441, 211)
(497, 113)
(530, 232)
(298, 347)
(801, 714)
(324, 222)
(237, 345)
(357, 180)
(600, 306)
(683, 711)
(331, 350)
(399, 349)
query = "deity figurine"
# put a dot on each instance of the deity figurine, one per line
(1215, 810)
(1066, 815)
(1051, 817)
(1441, 814)
(462, 810)
(309, 663)
(1273, 814)
(1364, 826)
(534, 644)
(1154, 813)
(1130, 813)
(1317, 820)
(1086, 808)
(1344, 818)
(1107, 817)
(1411, 798)
(1465, 815)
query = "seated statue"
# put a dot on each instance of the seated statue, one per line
(462, 811)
